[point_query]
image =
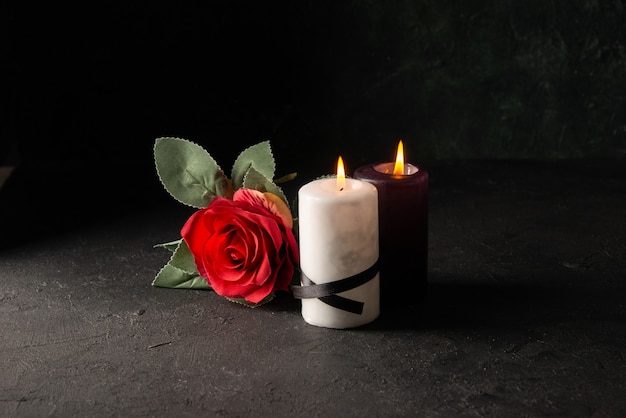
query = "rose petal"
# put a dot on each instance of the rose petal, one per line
(243, 246)
(268, 200)
(192, 233)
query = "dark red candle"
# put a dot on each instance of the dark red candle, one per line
(403, 229)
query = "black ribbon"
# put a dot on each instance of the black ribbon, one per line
(327, 292)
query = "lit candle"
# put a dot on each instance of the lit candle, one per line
(338, 240)
(403, 228)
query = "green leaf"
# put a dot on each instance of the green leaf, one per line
(259, 157)
(183, 260)
(174, 278)
(285, 178)
(188, 172)
(257, 181)
(244, 302)
(172, 245)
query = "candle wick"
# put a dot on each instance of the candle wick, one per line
(341, 190)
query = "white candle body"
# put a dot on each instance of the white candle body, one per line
(338, 238)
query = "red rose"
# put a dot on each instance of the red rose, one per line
(244, 247)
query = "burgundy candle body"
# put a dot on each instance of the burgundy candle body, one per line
(403, 231)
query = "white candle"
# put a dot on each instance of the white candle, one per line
(338, 239)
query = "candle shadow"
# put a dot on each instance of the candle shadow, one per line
(463, 304)
(460, 303)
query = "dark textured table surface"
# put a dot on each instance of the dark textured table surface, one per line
(525, 314)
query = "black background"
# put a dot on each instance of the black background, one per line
(98, 83)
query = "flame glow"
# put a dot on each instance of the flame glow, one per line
(341, 174)
(398, 168)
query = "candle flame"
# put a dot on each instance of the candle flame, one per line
(341, 174)
(398, 168)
